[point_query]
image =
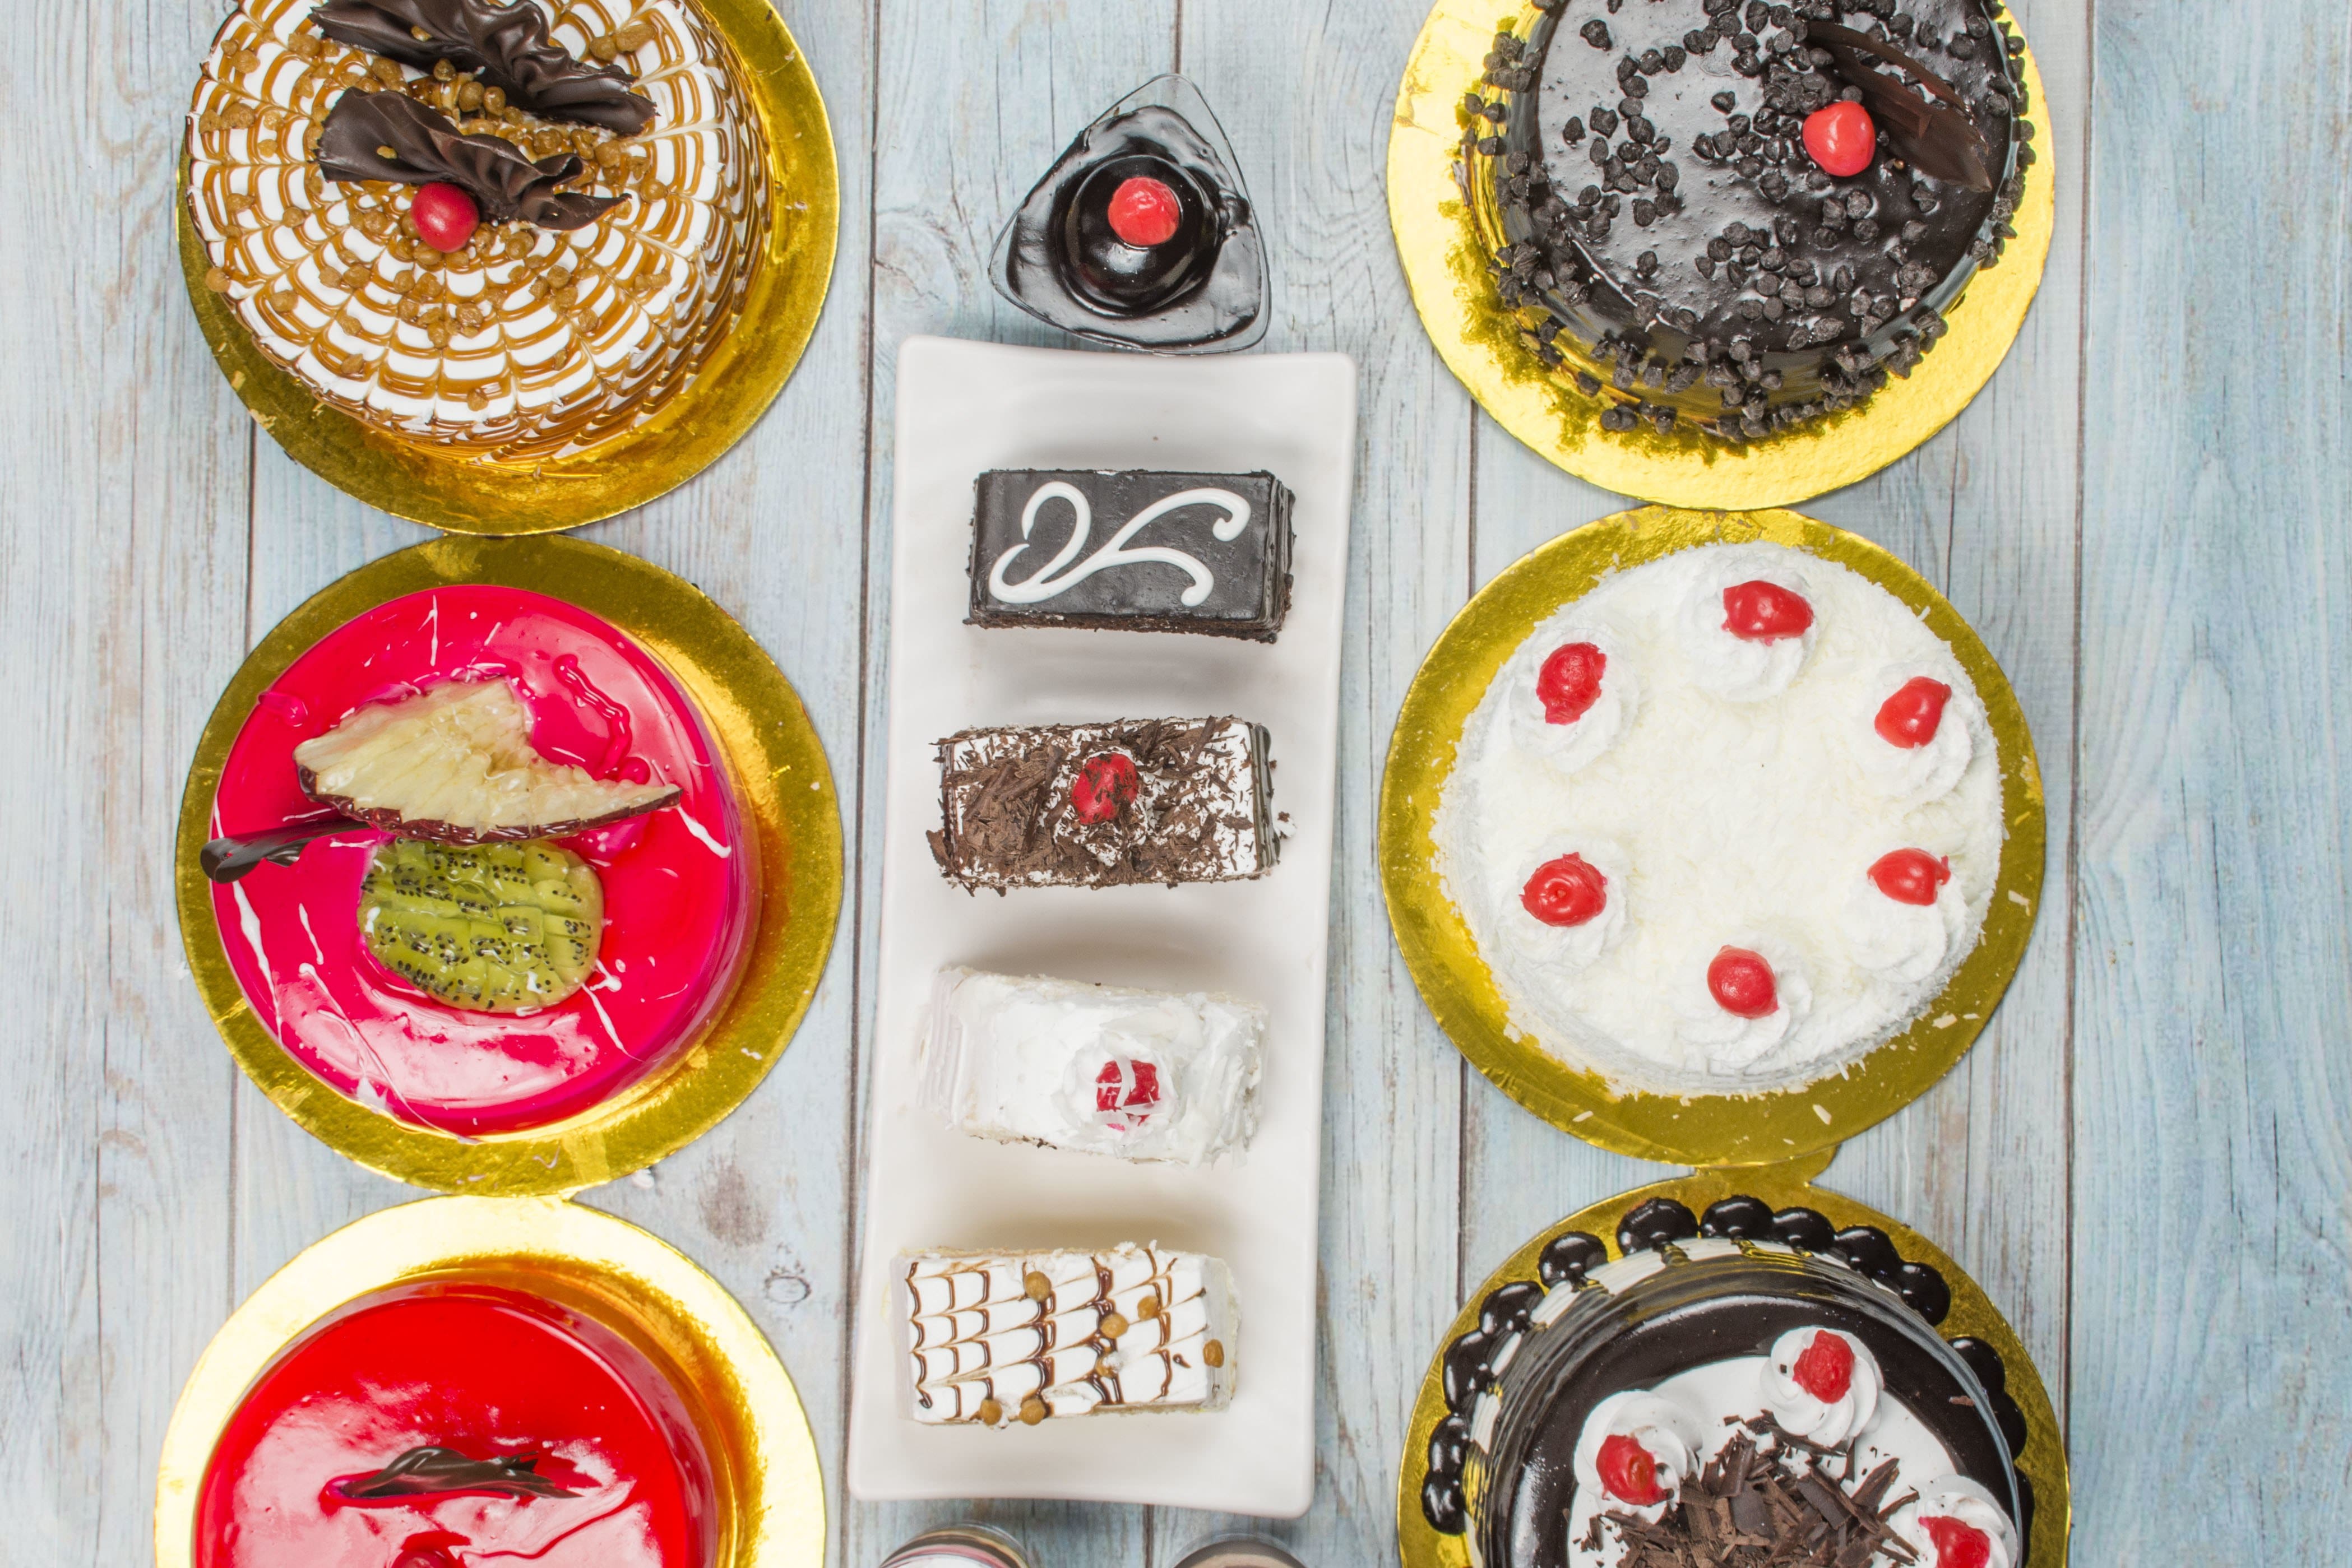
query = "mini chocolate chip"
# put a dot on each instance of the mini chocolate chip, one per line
(1725, 102)
(1595, 32)
(1604, 122)
(1573, 132)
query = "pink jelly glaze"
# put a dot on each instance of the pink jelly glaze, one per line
(681, 892)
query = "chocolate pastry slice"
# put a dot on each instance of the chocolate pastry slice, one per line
(506, 46)
(1141, 234)
(1137, 551)
(1101, 805)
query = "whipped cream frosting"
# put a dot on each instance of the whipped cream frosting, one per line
(1728, 782)
(1800, 1411)
(1956, 1498)
(1667, 1431)
(1106, 1070)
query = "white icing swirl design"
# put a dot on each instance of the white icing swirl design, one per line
(1899, 941)
(1827, 1422)
(1915, 774)
(1734, 668)
(1585, 739)
(1719, 1040)
(1957, 1497)
(1563, 950)
(1045, 584)
(1668, 1433)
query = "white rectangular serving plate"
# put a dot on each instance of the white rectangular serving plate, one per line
(965, 408)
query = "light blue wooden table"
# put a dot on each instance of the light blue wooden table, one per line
(2145, 1161)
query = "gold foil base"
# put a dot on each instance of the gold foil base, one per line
(430, 484)
(764, 1455)
(1697, 1130)
(2043, 1457)
(787, 796)
(1445, 245)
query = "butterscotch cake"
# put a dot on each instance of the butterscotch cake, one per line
(513, 230)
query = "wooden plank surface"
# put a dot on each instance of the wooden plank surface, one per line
(2145, 1160)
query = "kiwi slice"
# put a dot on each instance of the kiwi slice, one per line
(493, 928)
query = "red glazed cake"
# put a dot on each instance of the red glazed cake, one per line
(673, 891)
(450, 1426)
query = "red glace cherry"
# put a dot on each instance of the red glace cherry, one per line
(1127, 1092)
(1106, 785)
(1145, 213)
(1765, 613)
(1958, 1545)
(1569, 682)
(1569, 891)
(1912, 716)
(1911, 876)
(1742, 985)
(1628, 1471)
(445, 217)
(1825, 1369)
(1842, 139)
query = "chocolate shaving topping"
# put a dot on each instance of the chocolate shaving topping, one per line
(429, 1471)
(426, 148)
(1939, 139)
(507, 46)
(1753, 1507)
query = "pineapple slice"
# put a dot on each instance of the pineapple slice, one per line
(456, 764)
(496, 928)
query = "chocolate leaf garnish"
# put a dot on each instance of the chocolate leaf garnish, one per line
(429, 1471)
(426, 148)
(1938, 140)
(507, 46)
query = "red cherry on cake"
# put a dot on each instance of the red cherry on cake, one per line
(1567, 890)
(426, 1554)
(1842, 139)
(1106, 785)
(1765, 613)
(1911, 876)
(1742, 985)
(1825, 1368)
(1912, 716)
(445, 217)
(1127, 1092)
(1958, 1545)
(1628, 1471)
(1569, 682)
(1145, 213)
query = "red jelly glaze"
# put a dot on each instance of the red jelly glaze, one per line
(1567, 890)
(680, 911)
(488, 1372)
(1145, 213)
(1824, 1368)
(1958, 1545)
(1910, 876)
(1742, 985)
(1569, 682)
(1765, 613)
(1105, 785)
(1133, 1108)
(1842, 139)
(445, 216)
(1628, 1471)
(1912, 716)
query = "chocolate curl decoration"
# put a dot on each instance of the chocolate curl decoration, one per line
(442, 1473)
(507, 46)
(426, 149)
(1939, 139)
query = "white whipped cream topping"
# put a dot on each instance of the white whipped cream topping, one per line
(1576, 743)
(1669, 1432)
(1737, 668)
(1914, 775)
(1020, 1060)
(1905, 943)
(1829, 1422)
(1745, 824)
(1563, 950)
(1957, 1497)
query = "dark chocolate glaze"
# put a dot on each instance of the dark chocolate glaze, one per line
(1133, 279)
(1691, 247)
(1691, 1313)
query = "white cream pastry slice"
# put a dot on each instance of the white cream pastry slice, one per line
(1106, 1070)
(996, 1338)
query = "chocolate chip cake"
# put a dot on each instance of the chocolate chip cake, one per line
(1745, 216)
(495, 227)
